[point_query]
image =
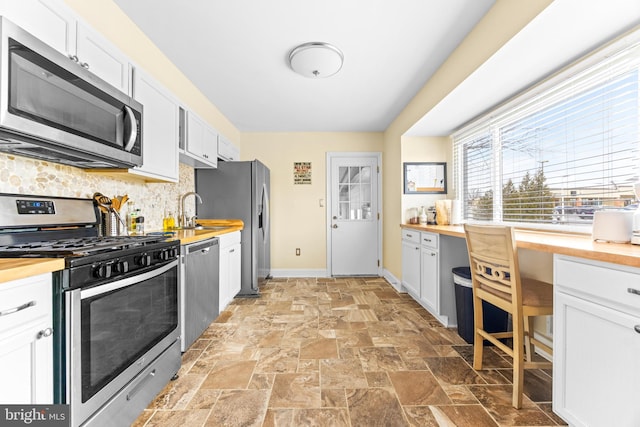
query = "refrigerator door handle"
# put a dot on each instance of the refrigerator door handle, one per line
(264, 222)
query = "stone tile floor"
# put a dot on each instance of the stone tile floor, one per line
(341, 352)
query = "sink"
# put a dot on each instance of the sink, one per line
(211, 227)
(206, 227)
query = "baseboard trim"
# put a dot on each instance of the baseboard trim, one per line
(386, 274)
(299, 273)
(393, 280)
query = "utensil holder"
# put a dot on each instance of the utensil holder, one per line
(110, 225)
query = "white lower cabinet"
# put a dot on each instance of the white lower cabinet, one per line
(411, 262)
(427, 261)
(230, 267)
(596, 343)
(26, 341)
(429, 289)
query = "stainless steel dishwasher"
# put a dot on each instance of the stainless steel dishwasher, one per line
(199, 288)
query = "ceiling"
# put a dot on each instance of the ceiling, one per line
(236, 53)
(562, 33)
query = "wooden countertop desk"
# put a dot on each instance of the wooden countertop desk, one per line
(578, 245)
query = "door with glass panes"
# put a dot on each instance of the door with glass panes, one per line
(354, 233)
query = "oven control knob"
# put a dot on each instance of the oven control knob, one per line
(144, 260)
(122, 267)
(102, 271)
(173, 253)
(165, 255)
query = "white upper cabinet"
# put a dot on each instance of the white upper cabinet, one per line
(201, 143)
(160, 128)
(102, 58)
(49, 20)
(55, 24)
(227, 150)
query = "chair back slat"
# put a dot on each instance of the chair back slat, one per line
(493, 260)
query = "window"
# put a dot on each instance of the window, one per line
(558, 155)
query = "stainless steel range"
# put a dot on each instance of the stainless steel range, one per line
(116, 330)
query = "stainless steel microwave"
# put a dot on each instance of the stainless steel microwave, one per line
(53, 109)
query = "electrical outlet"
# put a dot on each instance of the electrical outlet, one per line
(297, 251)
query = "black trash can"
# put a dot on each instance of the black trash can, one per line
(495, 319)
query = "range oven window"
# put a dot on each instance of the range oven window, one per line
(120, 326)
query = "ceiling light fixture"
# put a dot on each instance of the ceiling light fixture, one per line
(316, 59)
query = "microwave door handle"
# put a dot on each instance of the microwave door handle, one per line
(130, 124)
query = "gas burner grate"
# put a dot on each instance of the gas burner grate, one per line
(77, 246)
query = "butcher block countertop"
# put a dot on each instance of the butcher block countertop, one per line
(19, 268)
(222, 226)
(578, 245)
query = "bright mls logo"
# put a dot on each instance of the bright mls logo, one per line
(34, 415)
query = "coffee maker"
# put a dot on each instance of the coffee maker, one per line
(635, 236)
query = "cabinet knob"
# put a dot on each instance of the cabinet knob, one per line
(637, 328)
(44, 333)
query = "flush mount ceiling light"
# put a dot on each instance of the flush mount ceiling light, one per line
(316, 60)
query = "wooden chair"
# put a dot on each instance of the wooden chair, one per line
(495, 277)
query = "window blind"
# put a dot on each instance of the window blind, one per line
(559, 152)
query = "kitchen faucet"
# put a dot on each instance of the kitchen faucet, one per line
(184, 222)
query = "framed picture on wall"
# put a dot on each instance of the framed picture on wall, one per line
(425, 178)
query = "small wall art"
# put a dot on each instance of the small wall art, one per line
(301, 173)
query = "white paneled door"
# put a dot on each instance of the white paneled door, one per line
(354, 220)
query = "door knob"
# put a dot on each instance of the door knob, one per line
(335, 225)
(335, 217)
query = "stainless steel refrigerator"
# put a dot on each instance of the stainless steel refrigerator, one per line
(240, 190)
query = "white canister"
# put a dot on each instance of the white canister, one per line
(614, 226)
(456, 212)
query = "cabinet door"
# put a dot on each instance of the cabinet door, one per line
(596, 368)
(210, 146)
(103, 59)
(227, 150)
(230, 267)
(26, 343)
(202, 142)
(225, 289)
(429, 283)
(48, 20)
(235, 269)
(26, 363)
(411, 267)
(159, 129)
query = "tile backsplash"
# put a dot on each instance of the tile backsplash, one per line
(29, 176)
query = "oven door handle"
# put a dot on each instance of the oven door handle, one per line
(97, 290)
